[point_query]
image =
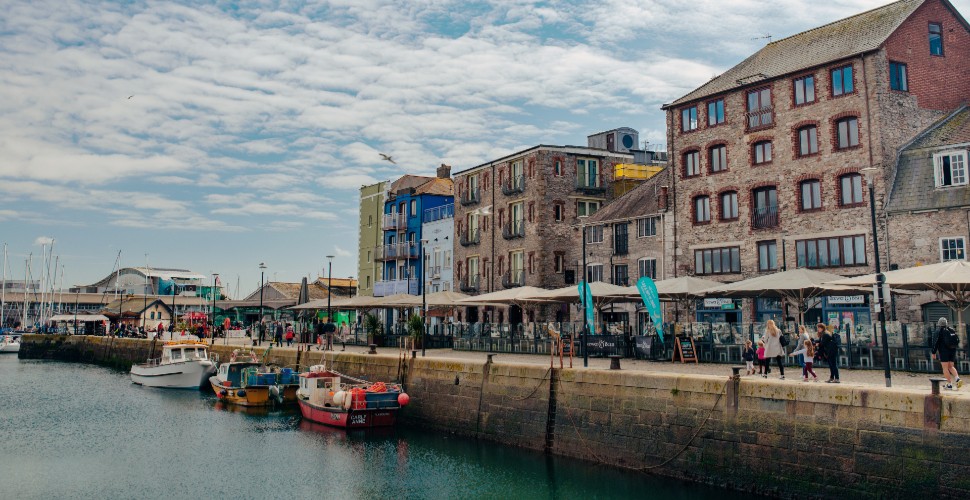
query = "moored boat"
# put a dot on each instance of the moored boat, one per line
(326, 399)
(182, 365)
(244, 381)
(10, 344)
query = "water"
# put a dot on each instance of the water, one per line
(81, 431)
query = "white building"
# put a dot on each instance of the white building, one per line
(438, 229)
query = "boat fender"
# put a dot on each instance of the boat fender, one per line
(348, 399)
(274, 391)
(241, 393)
(223, 393)
(338, 398)
(403, 399)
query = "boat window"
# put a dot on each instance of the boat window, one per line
(202, 354)
(190, 354)
(176, 354)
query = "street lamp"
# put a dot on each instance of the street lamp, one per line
(329, 287)
(583, 293)
(870, 173)
(424, 299)
(260, 327)
(212, 332)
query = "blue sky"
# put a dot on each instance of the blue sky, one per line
(251, 125)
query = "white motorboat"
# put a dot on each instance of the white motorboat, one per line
(182, 365)
(10, 344)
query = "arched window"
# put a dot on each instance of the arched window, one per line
(851, 187)
(761, 152)
(692, 163)
(729, 205)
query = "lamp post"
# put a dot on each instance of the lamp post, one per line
(262, 273)
(880, 278)
(212, 332)
(424, 299)
(584, 293)
(329, 287)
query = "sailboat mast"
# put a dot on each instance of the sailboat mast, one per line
(43, 283)
(3, 290)
(30, 257)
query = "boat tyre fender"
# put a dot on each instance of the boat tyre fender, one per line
(223, 393)
(241, 393)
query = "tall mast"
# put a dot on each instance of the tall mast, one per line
(30, 257)
(3, 290)
(43, 283)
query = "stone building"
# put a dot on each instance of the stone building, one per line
(768, 156)
(369, 236)
(929, 204)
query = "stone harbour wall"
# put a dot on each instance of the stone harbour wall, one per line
(785, 439)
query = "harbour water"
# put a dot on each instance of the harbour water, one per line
(81, 431)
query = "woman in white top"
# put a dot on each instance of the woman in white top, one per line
(773, 348)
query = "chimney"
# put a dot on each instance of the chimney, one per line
(444, 171)
(662, 199)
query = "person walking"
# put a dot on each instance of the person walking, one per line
(262, 331)
(278, 336)
(763, 367)
(807, 352)
(802, 337)
(773, 347)
(830, 350)
(748, 355)
(945, 350)
(289, 335)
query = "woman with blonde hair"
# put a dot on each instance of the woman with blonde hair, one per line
(773, 347)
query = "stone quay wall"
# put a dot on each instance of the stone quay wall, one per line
(786, 439)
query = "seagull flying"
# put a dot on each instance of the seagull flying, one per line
(387, 157)
(130, 96)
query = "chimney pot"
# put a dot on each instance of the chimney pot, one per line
(444, 171)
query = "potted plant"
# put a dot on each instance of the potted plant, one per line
(416, 329)
(374, 328)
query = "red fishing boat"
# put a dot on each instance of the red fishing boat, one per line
(330, 398)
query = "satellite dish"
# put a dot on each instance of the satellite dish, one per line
(627, 141)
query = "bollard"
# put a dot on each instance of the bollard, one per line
(733, 391)
(936, 381)
(489, 359)
(737, 371)
(615, 362)
(414, 354)
(373, 349)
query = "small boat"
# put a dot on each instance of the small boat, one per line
(324, 398)
(10, 344)
(183, 364)
(244, 381)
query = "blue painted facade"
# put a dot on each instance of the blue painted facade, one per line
(402, 267)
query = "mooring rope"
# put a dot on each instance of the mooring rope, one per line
(543, 379)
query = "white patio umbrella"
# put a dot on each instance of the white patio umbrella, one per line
(518, 295)
(603, 294)
(684, 287)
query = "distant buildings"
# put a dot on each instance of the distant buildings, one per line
(370, 236)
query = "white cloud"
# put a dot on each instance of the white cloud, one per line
(43, 240)
(340, 252)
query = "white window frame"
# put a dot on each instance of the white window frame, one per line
(640, 264)
(586, 204)
(594, 234)
(647, 226)
(963, 247)
(961, 157)
(598, 274)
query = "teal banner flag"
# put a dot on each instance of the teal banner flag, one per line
(651, 300)
(584, 291)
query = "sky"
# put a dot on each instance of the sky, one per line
(214, 136)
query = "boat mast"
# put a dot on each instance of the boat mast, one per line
(3, 289)
(43, 284)
(30, 257)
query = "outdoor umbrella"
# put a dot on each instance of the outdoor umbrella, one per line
(398, 300)
(797, 286)
(684, 287)
(603, 294)
(950, 280)
(516, 296)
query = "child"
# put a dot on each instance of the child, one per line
(763, 368)
(808, 349)
(748, 356)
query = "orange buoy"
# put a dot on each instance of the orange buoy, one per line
(403, 399)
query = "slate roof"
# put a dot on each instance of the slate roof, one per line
(914, 186)
(131, 306)
(409, 181)
(640, 201)
(841, 39)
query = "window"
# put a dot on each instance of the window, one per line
(729, 205)
(594, 234)
(558, 212)
(851, 189)
(807, 140)
(560, 263)
(621, 238)
(557, 168)
(447, 258)
(717, 261)
(647, 268)
(587, 172)
(952, 249)
(765, 207)
(688, 119)
(621, 275)
(647, 226)
(898, 77)
(370, 221)
(767, 255)
(584, 208)
(692, 163)
(759, 108)
(715, 112)
(831, 252)
(702, 209)
(368, 256)
(848, 129)
(762, 152)
(718, 155)
(804, 90)
(594, 272)
(842, 80)
(367, 282)
(517, 265)
(414, 208)
(811, 195)
(951, 168)
(936, 39)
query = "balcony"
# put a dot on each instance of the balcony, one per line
(469, 283)
(514, 229)
(394, 221)
(514, 185)
(438, 213)
(470, 237)
(395, 251)
(764, 217)
(394, 287)
(761, 118)
(621, 244)
(590, 183)
(470, 197)
(513, 279)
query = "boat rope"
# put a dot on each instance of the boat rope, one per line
(648, 467)
(543, 379)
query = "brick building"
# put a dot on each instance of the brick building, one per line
(768, 156)
(515, 217)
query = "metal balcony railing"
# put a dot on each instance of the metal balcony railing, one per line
(514, 229)
(470, 237)
(394, 251)
(590, 183)
(469, 283)
(514, 278)
(394, 221)
(514, 185)
(394, 287)
(765, 217)
(761, 118)
(470, 196)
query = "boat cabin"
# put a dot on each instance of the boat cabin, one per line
(320, 387)
(233, 372)
(182, 352)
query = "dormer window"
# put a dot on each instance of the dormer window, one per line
(951, 168)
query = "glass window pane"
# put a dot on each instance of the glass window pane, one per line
(860, 249)
(837, 82)
(708, 268)
(800, 253)
(736, 260)
(847, 79)
(823, 254)
(812, 250)
(834, 257)
(848, 251)
(809, 89)
(716, 261)
(699, 262)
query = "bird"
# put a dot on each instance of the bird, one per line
(388, 158)
(130, 96)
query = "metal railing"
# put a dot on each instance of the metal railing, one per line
(514, 229)
(470, 237)
(514, 185)
(515, 278)
(761, 118)
(394, 221)
(764, 216)
(438, 213)
(470, 196)
(394, 251)
(394, 287)
(469, 283)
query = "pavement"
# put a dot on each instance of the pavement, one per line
(849, 377)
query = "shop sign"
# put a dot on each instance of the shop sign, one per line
(847, 299)
(718, 303)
